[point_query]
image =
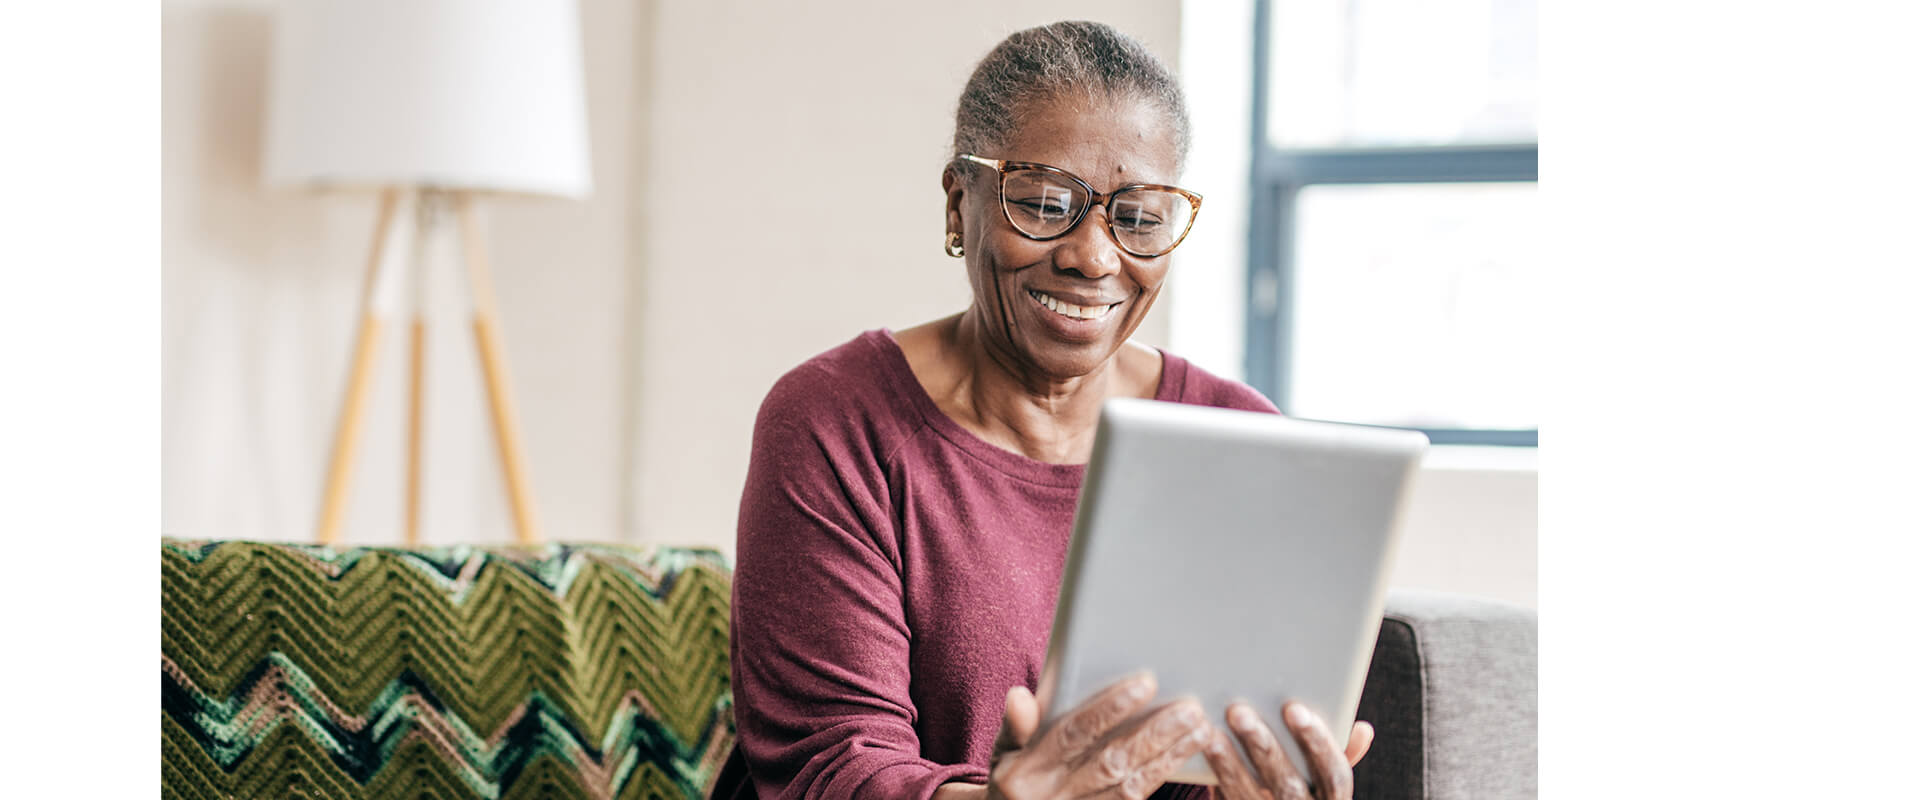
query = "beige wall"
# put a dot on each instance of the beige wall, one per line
(260, 291)
(644, 324)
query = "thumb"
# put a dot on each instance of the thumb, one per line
(1357, 745)
(1022, 718)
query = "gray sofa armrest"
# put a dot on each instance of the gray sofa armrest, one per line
(1452, 695)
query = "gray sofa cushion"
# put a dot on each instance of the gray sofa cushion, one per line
(1452, 696)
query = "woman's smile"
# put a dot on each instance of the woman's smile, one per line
(1074, 318)
(1067, 307)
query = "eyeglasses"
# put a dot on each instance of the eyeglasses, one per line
(1043, 202)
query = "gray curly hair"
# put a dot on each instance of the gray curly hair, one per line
(1051, 60)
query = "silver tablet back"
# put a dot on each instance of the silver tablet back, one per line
(1237, 555)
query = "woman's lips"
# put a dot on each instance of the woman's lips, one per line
(1072, 321)
(1072, 309)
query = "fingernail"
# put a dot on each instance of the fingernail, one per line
(1218, 744)
(1298, 716)
(1189, 714)
(1201, 734)
(1242, 718)
(1140, 687)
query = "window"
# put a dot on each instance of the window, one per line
(1393, 255)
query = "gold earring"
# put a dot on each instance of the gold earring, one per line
(953, 245)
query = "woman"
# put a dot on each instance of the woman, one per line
(907, 509)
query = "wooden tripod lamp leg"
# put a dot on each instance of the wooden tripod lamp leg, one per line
(427, 217)
(359, 378)
(486, 334)
(415, 416)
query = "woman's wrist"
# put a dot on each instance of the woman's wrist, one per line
(960, 791)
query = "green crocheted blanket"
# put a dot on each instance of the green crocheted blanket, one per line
(465, 672)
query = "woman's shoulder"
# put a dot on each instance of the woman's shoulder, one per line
(851, 365)
(1183, 381)
(855, 384)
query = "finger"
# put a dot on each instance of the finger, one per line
(1018, 723)
(1090, 721)
(1235, 780)
(1150, 775)
(1127, 750)
(1162, 729)
(1358, 743)
(1276, 772)
(1331, 773)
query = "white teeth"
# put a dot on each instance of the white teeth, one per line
(1067, 309)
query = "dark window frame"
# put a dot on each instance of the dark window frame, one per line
(1279, 174)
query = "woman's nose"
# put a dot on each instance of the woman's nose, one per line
(1089, 249)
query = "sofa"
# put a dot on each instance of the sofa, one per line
(1451, 694)
(600, 671)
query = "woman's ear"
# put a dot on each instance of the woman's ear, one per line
(954, 184)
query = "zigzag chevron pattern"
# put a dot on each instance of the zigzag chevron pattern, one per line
(593, 672)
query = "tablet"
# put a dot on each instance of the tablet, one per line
(1237, 555)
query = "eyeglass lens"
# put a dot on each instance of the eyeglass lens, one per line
(1146, 222)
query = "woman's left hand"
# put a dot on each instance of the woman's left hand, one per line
(1277, 778)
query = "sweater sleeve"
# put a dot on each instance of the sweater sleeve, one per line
(1200, 387)
(820, 651)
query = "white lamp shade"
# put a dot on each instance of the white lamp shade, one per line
(458, 94)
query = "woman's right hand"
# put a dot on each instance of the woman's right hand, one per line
(1095, 750)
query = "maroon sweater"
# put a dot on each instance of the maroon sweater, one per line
(895, 576)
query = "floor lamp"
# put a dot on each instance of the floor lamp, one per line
(434, 103)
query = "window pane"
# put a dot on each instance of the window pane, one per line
(1401, 72)
(1417, 305)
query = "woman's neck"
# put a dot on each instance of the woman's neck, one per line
(1007, 403)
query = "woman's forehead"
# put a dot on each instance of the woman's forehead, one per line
(1106, 141)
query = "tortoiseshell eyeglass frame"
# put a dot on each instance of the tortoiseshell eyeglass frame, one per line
(1099, 199)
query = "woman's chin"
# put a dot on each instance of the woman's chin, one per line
(1059, 347)
(1065, 359)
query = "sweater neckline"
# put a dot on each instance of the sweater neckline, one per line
(1173, 375)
